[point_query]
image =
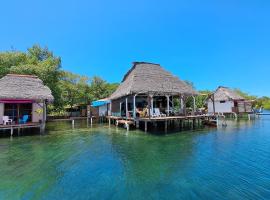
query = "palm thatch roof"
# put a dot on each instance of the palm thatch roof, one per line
(226, 94)
(14, 86)
(149, 78)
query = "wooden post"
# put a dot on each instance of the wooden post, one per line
(166, 126)
(110, 109)
(172, 104)
(145, 126)
(149, 105)
(120, 109)
(127, 107)
(73, 123)
(137, 124)
(44, 117)
(134, 106)
(168, 104)
(152, 103)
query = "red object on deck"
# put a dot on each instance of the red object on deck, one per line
(16, 101)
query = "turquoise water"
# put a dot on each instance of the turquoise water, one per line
(103, 163)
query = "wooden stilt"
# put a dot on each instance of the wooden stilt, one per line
(73, 123)
(166, 126)
(137, 124)
(145, 126)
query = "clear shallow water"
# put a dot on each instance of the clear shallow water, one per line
(102, 163)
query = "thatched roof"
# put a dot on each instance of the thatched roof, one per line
(14, 86)
(151, 78)
(226, 94)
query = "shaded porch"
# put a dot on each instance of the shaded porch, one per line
(152, 106)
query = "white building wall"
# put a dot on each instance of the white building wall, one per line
(36, 116)
(102, 110)
(1, 112)
(221, 107)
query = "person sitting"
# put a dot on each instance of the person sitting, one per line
(142, 113)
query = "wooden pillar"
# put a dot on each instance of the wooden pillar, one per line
(134, 106)
(149, 105)
(182, 103)
(120, 109)
(152, 103)
(44, 117)
(127, 107)
(168, 104)
(11, 131)
(166, 126)
(137, 124)
(73, 123)
(145, 126)
(110, 109)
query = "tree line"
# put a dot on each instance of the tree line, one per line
(71, 89)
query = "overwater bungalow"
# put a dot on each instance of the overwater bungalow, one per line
(147, 93)
(23, 100)
(225, 100)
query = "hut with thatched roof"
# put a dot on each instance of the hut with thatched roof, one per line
(148, 85)
(226, 100)
(21, 96)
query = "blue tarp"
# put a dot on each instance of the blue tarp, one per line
(100, 103)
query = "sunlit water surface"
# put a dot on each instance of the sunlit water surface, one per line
(109, 163)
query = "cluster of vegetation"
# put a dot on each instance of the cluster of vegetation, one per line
(71, 89)
(68, 89)
(258, 101)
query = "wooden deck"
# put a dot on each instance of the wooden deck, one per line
(174, 118)
(167, 119)
(11, 127)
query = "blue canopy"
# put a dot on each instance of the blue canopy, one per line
(100, 102)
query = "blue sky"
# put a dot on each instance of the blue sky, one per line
(210, 43)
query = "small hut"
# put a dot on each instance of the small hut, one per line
(100, 108)
(23, 97)
(149, 86)
(225, 100)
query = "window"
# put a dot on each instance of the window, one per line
(16, 111)
(11, 111)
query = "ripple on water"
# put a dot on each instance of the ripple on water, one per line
(110, 163)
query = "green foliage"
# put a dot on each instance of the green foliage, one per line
(67, 88)
(36, 61)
